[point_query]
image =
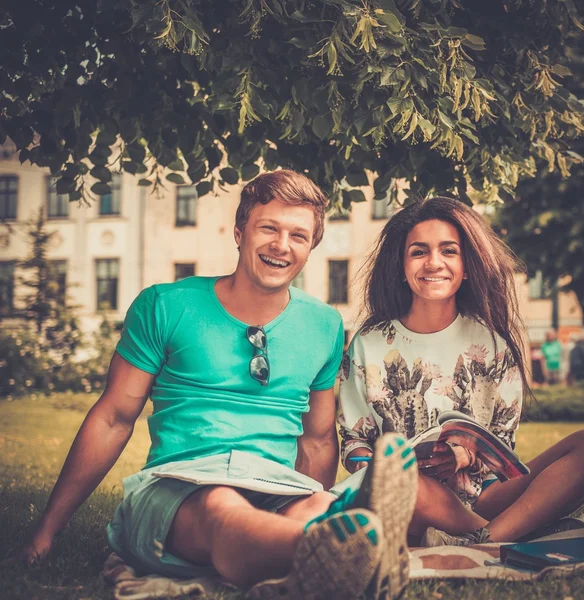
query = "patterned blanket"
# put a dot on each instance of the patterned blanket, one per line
(446, 562)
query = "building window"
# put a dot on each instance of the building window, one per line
(298, 281)
(186, 205)
(382, 209)
(182, 270)
(338, 281)
(111, 204)
(8, 197)
(339, 214)
(107, 274)
(59, 268)
(57, 204)
(6, 287)
(537, 288)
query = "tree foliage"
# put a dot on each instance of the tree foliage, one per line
(46, 303)
(444, 93)
(544, 224)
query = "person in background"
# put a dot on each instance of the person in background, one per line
(552, 354)
(576, 370)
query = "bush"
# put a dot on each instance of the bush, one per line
(29, 363)
(556, 403)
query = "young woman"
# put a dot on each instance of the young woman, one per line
(442, 332)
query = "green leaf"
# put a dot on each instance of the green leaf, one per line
(249, 171)
(389, 19)
(106, 138)
(305, 44)
(357, 177)
(561, 70)
(382, 183)
(74, 195)
(144, 182)
(203, 188)
(350, 196)
(101, 189)
(427, 127)
(197, 173)
(65, 186)
(136, 152)
(214, 157)
(229, 175)
(322, 125)
(101, 173)
(176, 165)
(473, 41)
(175, 178)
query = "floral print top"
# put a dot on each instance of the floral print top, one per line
(393, 379)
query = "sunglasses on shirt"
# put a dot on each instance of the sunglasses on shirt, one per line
(259, 366)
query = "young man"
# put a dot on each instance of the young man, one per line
(241, 371)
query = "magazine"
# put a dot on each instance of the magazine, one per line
(457, 428)
(540, 554)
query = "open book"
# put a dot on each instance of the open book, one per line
(457, 428)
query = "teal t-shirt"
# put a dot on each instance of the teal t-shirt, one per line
(552, 352)
(205, 401)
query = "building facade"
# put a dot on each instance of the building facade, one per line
(111, 249)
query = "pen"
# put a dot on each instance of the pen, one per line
(360, 459)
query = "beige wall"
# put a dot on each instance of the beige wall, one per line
(148, 244)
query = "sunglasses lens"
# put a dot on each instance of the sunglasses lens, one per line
(259, 370)
(256, 337)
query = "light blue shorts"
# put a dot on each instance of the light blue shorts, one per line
(143, 519)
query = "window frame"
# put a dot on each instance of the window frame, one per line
(185, 198)
(115, 198)
(178, 265)
(62, 276)
(112, 281)
(333, 296)
(51, 193)
(9, 309)
(6, 195)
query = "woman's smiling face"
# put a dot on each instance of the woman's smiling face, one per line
(433, 261)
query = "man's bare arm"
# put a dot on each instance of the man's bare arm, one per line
(318, 447)
(100, 440)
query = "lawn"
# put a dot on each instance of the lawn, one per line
(35, 434)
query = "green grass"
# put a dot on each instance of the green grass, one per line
(556, 403)
(35, 434)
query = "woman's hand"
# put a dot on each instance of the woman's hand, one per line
(356, 465)
(442, 464)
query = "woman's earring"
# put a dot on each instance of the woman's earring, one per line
(465, 276)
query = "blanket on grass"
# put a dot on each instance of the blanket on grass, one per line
(445, 562)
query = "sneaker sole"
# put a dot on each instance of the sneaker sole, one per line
(336, 559)
(390, 489)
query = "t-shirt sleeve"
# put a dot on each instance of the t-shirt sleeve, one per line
(357, 425)
(142, 341)
(327, 375)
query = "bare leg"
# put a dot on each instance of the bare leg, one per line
(554, 488)
(438, 506)
(246, 545)
(305, 509)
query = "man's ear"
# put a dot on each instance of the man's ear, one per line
(237, 235)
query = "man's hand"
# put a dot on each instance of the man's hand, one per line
(356, 465)
(33, 553)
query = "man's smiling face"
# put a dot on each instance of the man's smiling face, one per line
(275, 243)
